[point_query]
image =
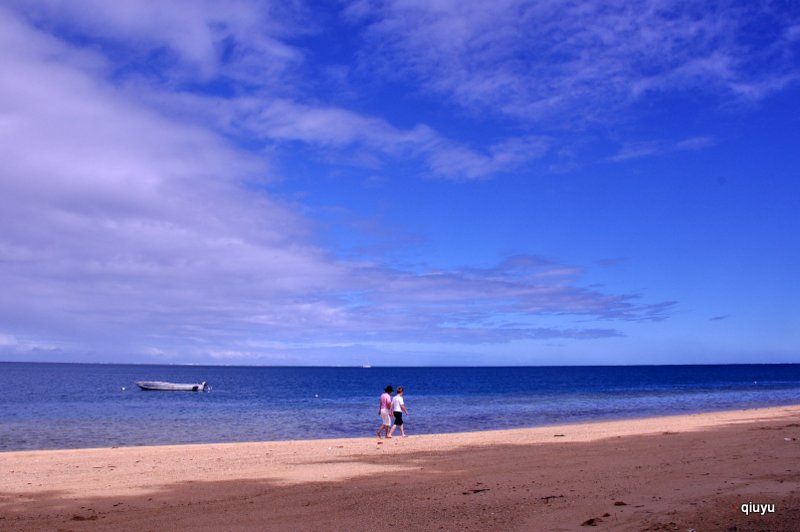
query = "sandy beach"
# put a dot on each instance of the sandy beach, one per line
(667, 473)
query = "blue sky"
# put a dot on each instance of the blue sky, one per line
(399, 182)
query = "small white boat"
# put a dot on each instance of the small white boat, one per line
(162, 386)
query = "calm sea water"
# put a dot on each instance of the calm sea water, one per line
(46, 406)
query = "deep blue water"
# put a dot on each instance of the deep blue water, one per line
(46, 406)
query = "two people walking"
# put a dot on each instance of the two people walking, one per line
(389, 406)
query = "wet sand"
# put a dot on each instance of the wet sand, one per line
(666, 473)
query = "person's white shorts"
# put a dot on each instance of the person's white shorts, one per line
(386, 417)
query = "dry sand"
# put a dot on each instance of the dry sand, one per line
(666, 473)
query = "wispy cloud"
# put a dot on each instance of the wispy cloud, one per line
(349, 136)
(13, 344)
(327, 127)
(635, 150)
(243, 48)
(577, 62)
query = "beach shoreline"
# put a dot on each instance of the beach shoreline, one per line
(669, 471)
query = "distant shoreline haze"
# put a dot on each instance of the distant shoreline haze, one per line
(377, 366)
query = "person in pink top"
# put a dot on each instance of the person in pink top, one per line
(385, 411)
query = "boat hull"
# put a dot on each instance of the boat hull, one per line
(161, 386)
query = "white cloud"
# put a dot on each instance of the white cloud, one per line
(7, 340)
(124, 226)
(244, 44)
(199, 37)
(114, 215)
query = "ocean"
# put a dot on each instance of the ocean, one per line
(54, 406)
